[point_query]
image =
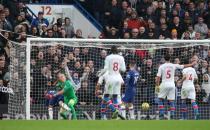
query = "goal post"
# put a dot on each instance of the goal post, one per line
(63, 49)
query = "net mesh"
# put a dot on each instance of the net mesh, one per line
(47, 58)
(17, 100)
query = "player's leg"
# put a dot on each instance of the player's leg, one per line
(103, 110)
(183, 103)
(183, 109)
(195, 109)
(123, 109)
(131, 111)
(64, 109)
(71, 104)
(192, 96)
(109, 103)
(50, 112)
(161, 96)
(171, 99)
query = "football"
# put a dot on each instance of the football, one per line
(145, 106)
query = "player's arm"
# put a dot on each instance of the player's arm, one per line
(157, 80)
(98, 85)
(106, 66)
(127, 80)
(123, 67)
(195, 78)
(189, 65)
(183, 78)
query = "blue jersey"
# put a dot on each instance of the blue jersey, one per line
(130, 83)
(131, 80)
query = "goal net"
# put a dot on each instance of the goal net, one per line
(34, 67)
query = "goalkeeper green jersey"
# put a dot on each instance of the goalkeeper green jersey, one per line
(69, 92)
(59, 86)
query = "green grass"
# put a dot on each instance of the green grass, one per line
(104, 125)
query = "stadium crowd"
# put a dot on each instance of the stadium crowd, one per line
(131, 19)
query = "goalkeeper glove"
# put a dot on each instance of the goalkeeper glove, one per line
(157, 89)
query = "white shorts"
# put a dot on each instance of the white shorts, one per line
(188, 92)
(113, 85)
(167, 90)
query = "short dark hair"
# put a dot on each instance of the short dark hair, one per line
(114, 49)
(132, 62)
(167, 57)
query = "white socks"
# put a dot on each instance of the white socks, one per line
(131, 112)
(50, 112)
(64, 106)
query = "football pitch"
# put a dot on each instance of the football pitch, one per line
(104, 125)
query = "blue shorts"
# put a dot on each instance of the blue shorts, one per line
(128, 98)
(54, 101)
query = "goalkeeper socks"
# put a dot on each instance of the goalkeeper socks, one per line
(172, 108)
(184, 110)
(131, 112)
(73, 112)
(195, 108)
(161, 107)
(50, 112)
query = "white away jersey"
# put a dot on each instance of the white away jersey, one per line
(167, 71)
(114, 63)
(190, 76)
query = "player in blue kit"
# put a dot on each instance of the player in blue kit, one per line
(52, 102)
(130, 92)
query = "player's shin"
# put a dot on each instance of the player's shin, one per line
(103, 110)
(50, 112)
(161, 108)
(123, 110)
(184, 110)
(131, 111)
(109, 104)
(172, 108)
(64, 106)
(195, 109)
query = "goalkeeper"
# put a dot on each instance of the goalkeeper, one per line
(70, 98)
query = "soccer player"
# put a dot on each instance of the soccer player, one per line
(166, 89)
(188, 92)
(70, 98)
(114, 63)
(130, 92)
(55, 101)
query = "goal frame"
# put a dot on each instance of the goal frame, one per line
(28, 54)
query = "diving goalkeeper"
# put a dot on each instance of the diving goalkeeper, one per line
(70, 98)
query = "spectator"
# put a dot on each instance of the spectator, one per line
(178, 26)
(78, 34)
(134, 33)
(142, 33)
(201, 27)
(112, 34)
(113, 14)
(124, 29)
(4, 23)
(134, 21)
(39, 20)
(68, 28)
(206, 85)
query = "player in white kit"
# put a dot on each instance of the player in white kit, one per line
(188, 92)
(114, 63)
(166, 89)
